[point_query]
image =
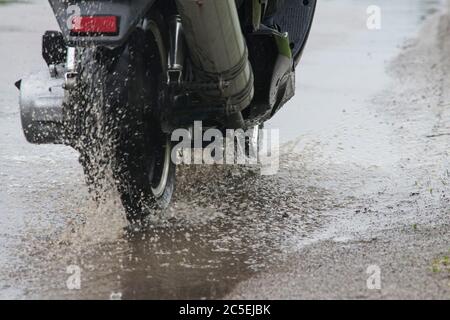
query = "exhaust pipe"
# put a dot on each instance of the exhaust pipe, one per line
(41, 108)
(218, 51)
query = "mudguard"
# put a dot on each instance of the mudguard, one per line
(128, 11)
(275, 54)
(296, 18)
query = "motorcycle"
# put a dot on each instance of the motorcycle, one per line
(122, 75)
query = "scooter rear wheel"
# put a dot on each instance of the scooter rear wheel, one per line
(120, 131)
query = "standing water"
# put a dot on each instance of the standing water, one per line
(217, 232)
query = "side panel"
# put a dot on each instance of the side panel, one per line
(296, 17)
(128, 11)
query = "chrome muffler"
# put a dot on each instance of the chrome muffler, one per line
(41, 107)
(218, 51)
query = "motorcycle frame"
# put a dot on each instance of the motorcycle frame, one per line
(273, 91)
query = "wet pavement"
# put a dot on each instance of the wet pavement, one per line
(363, 180)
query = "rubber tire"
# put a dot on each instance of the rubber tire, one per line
(120, 93)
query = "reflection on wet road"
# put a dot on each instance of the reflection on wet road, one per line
(226, 224)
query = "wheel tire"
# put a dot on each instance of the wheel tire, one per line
(119, 131)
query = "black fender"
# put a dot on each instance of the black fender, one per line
(274, 55)
(296, 17)
(129, 12)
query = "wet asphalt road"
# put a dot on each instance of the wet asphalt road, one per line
(363, 181)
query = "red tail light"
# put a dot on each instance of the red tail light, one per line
(92, 25)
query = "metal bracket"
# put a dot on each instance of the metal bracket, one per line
(70, 80)
(175, 63)
(70, 77)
